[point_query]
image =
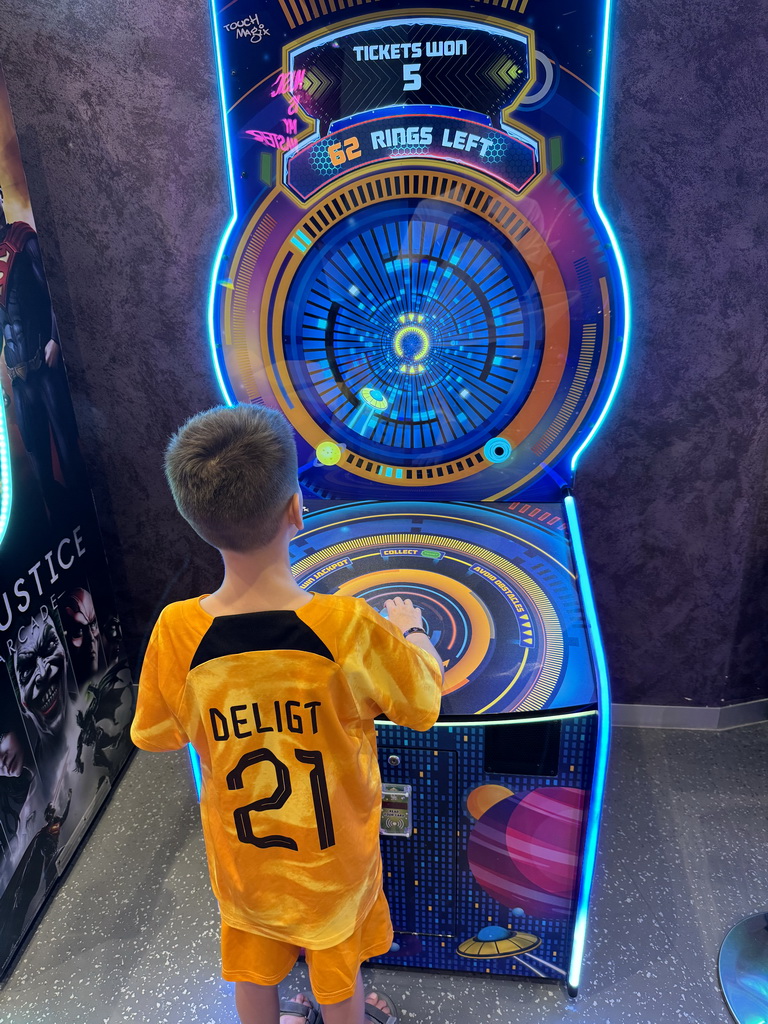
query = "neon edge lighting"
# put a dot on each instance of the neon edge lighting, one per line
(6, 487)
(601, 756)
(194, 760)
(609, 230)
(230, 398)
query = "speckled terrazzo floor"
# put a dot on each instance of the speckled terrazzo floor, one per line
(132, 934)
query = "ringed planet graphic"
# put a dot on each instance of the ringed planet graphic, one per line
(483, 798)
(525, 850)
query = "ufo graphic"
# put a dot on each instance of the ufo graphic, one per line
(493, 943)
(523, 851)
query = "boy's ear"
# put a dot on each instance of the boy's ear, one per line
(295, 506)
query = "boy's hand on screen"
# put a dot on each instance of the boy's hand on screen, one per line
(403, 614)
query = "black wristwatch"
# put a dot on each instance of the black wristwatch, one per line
(415, 629)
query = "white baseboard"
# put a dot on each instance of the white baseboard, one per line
(661, 716)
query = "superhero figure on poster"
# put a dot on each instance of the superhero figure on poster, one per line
(29, 339)
(16, 783)
(39, 669)
(83, 635)
(113, 639)
(106, 701)
(37, 865)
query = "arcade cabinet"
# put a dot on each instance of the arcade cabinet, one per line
(419, 275)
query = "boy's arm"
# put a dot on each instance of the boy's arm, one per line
(408, 620)
(155, 726)
(390, 675)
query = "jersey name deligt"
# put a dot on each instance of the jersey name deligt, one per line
(242, 720)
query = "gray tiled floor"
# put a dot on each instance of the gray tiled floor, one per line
(132, 935)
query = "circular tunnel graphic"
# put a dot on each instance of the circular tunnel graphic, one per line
(497, 605)
(410, 325)
(419, 330)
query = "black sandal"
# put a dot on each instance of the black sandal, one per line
(310, 1013)
(378, 1016)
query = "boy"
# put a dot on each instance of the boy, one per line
(277, 690)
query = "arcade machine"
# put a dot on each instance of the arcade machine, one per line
(418, 274)
(66, 695)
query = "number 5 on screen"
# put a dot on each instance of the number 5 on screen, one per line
(411, 77)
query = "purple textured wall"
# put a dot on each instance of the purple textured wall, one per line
(674, 490)
(118, 121)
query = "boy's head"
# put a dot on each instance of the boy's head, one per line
(232, 473)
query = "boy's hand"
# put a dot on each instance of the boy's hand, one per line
(403, 614)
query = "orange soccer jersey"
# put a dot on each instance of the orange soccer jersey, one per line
(279, 706)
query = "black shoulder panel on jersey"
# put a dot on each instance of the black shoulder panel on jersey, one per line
(258, 631)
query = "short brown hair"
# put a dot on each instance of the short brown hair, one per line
(232, 472)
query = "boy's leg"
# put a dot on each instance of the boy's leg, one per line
(245, 955)
(260, 1004)
(351, 1011)
(256, 1004)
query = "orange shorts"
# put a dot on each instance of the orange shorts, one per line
(332, 971)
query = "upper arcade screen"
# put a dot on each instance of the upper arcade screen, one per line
(416, 272)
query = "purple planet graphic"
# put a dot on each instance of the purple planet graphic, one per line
(524, 850)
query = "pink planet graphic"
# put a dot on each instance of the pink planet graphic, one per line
(524, 850)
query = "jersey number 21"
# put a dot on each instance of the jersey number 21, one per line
(279, 796)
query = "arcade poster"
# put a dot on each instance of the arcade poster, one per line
(66, 694)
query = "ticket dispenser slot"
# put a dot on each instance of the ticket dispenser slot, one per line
(420, 856)
(523, 749)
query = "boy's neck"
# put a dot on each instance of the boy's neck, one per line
(256, 581)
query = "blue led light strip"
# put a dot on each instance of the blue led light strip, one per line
(601, 756)
(214, 283)
(6, 487)
(611, 235)
(229, 397)
(197, 775)
(479, 722)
